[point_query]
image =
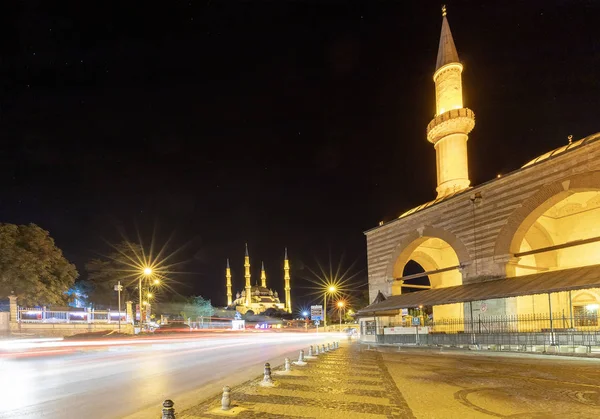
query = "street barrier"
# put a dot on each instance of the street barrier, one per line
(168, 411)
(226, 399)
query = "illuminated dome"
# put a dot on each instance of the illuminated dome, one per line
(560, 150)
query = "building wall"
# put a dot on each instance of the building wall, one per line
(482, 233)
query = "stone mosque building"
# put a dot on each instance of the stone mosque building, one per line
(525, 242)
(258, 298)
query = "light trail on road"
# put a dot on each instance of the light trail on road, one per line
(113, 378)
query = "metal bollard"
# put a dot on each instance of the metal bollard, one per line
(168, 412)
(267, 378)
(324, 350)
(337, 344)
(287, 365)
(329, 347)
(301, 356)
(316, 349)
(226, 399)
(310, 351)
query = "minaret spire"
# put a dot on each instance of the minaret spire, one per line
(228, 277)
(447, 50)
(263, 276)
(247, 276)
(449, 129)
(286, 278)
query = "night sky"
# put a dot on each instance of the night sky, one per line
(277, 123)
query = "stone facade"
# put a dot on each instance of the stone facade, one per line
(485, 225)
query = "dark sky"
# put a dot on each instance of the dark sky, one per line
(279, 123)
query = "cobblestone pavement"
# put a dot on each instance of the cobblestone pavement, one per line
(353, 382)
(343, 383)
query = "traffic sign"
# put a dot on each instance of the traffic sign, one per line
(317, 322)
(416, 321)
(119, 287)
(316, 313)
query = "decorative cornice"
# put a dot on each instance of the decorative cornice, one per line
(454, 121)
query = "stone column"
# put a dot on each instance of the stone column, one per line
(129, 310)
(14, 309)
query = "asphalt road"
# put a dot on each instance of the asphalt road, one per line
(124, 378)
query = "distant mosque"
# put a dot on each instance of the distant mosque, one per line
(258, 298)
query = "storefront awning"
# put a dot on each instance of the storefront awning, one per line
(539, 283)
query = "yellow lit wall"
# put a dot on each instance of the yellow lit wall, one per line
(574, 218)
(452, 164)
(448, 88)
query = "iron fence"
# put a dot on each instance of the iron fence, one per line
(42, 315)
(524, 332)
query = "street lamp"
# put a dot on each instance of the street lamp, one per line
(146, 272)
(340, 305)
(330, 289)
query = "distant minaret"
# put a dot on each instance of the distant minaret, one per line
(247, 276)
(228, 277)
(286, 278)
(263, 276)
(448, 130)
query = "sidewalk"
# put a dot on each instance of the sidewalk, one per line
(348, 382)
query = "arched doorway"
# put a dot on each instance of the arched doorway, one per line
(431, 255)
(561, 233)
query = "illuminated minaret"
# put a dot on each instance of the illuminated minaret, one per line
(286, 278)
(263, 276)
(448, 130)
(247, 276)
(228, 277)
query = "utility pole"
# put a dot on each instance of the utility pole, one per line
(119, 288)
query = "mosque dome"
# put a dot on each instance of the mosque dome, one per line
(561, 150)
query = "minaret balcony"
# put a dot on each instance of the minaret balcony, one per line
(454, 121)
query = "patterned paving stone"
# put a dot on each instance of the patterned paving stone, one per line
(345, 383)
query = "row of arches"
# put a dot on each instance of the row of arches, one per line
(557, 228)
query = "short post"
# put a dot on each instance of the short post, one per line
(226, 399)
(310, 350)
(301, 356)
(323, 348)
(316, 349)
(267, 377)
(287, 365)
(328, 346)
(552, 341)
(168, 411)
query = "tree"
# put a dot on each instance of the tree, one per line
(105, 272)
(32, 267)
(197, 307)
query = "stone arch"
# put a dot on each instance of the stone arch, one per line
(524, 217)
(586, 296)
(402, 253)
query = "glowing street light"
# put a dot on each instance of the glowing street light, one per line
(329, 290)
(146, 272)
(341, 305)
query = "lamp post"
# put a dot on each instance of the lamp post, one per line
(145, 273)
(330, 289)
(305, 315)
(340, 305)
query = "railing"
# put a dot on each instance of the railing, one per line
(41, 315)
(516, 331)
